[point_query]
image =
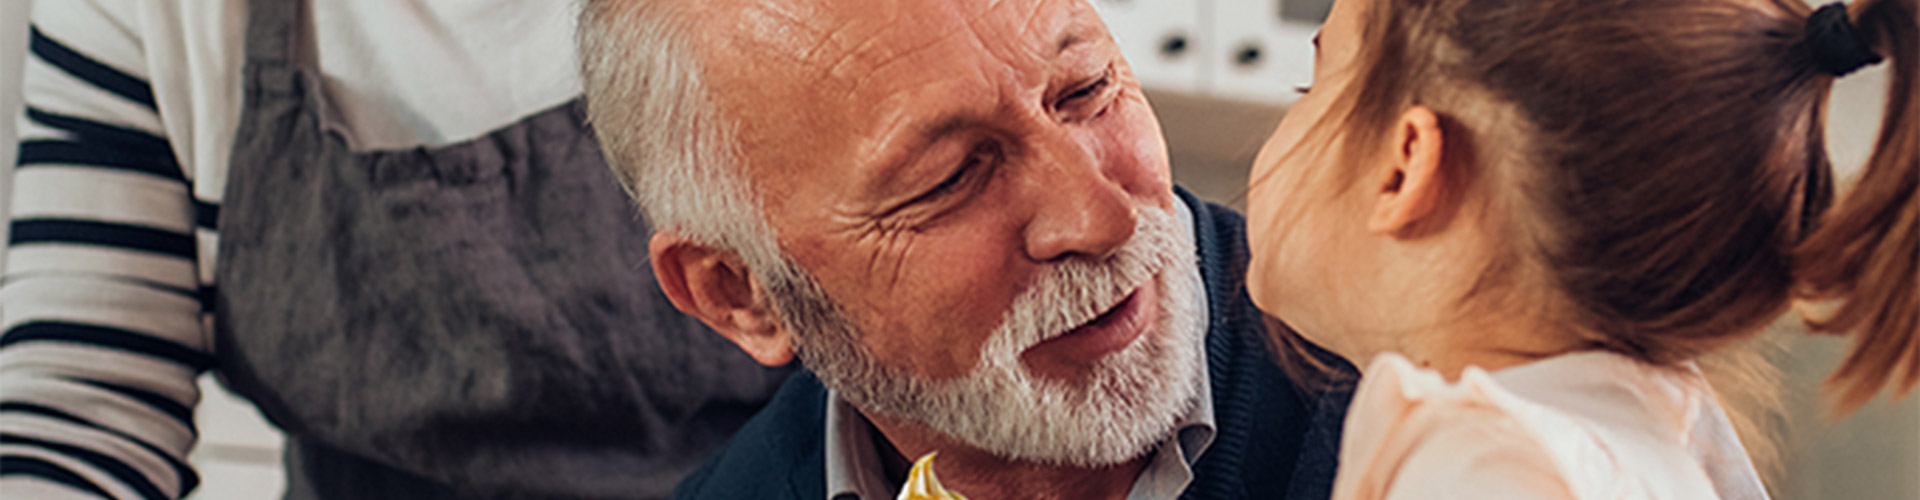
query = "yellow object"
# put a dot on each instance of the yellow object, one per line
(922, 485)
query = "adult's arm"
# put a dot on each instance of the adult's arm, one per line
(101, 299)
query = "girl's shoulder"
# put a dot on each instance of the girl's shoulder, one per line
(1579, 426)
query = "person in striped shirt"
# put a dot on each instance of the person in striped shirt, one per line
(479, 323)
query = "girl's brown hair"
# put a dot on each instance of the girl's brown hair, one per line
(1864, 252)
(1669, 177)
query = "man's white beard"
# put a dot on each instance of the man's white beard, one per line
(1127, 403)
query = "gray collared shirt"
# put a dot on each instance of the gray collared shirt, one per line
(854, 471)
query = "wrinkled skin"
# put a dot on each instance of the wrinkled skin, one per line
(923, 159)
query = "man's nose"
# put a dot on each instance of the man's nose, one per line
(1080, 207)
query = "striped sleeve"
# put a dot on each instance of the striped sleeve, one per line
(103, 331)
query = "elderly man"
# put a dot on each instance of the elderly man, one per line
(959, 216)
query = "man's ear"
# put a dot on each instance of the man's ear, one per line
(1415, 189)
(714, 286)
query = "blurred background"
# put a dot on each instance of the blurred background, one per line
(1220, 73)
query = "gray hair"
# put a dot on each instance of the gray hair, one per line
(661, 131)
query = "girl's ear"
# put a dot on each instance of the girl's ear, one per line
(1414, 189)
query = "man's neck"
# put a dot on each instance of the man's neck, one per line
(979, 474)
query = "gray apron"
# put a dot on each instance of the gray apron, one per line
(471, 321)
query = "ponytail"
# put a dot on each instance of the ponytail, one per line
(1865, 252)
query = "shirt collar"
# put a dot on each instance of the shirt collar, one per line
(853, 459)
(853, 464)
(1170, 466)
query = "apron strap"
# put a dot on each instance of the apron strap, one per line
(283, 63)
(279, 31)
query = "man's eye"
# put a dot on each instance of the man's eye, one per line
(1089, 90)
(981, 158)
(1085, 92)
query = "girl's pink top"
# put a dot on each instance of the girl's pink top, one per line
(1587, 426)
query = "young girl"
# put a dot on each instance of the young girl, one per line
(1527, 218)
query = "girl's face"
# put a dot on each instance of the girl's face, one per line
(1307, 208)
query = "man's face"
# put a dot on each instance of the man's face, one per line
(965, 180)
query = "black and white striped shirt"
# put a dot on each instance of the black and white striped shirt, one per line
(122, 160)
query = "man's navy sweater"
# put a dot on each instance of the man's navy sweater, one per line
(1272, 440)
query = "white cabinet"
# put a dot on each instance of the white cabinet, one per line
(1164, 40)
(1244, 50)
(1258, 54)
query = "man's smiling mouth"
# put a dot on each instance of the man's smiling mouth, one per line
(1111, 331)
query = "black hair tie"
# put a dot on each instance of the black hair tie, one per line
(1835, 43)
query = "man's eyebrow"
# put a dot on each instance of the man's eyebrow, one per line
(1073, 35)
(1069, 40)
(936, 130)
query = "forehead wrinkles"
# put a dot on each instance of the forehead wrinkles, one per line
(952, 39)
(981, 54)
(869, 61)
(853, 40)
